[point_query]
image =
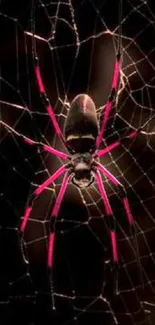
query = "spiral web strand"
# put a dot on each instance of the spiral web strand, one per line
(76, 44)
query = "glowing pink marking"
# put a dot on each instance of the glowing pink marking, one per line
(116, 74)
(103, 194)
(114, 246)
(50, 180)
(25, 218)
(56, 208)
(29, 141)
(104, 123)
(55, 152)
(108, 174)
(51, 249)
(109, 104)
(52, 116)
(108, 149)
(39, 79)
(48, 107)
(128, 210)
(133, 134)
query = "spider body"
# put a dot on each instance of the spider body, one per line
(81, 131)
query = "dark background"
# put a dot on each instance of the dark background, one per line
(84, 287)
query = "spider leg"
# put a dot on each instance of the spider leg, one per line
(110, 215)
(111, 98)
(54, 215)
(38, 191)
(117, 143)
(128, 212)
(46, 102)
(31, 142)
(123, 194)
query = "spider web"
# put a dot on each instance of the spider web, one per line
(76, 43)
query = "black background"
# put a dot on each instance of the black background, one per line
(84, 288)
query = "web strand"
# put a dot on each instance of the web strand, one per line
(76, 55)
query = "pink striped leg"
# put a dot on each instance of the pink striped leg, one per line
(54, 215)
(46, 102)
(127, 211)
(123, 194)
(109, 214)
(117, 143)
(45, 147)
(110, 101)
(38, 191)
(31, 142)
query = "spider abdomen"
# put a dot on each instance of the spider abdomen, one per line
(81, 128)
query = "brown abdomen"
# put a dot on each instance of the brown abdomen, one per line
(81, 123)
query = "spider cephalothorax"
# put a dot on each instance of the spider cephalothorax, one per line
(81, 169)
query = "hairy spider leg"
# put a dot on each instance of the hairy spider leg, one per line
(111, 99)
(125, 201)
(109, 214)
(46, 102)
(38, 191)
(117, 143)
(31, 142)
(54, 215)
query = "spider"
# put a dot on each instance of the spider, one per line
(82, 137)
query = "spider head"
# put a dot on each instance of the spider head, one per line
(81, 168)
